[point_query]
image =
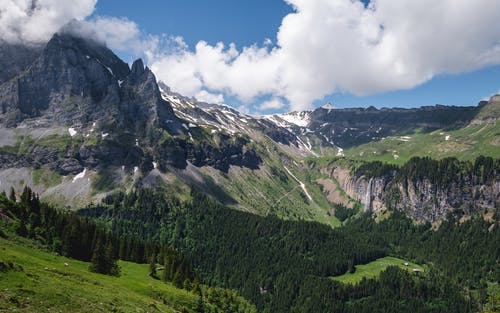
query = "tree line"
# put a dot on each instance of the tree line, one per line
(284, 266)
(442, 172)
(90, 240)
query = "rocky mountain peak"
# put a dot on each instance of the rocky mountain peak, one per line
(76, 50)
(137, 67)
(72, 80)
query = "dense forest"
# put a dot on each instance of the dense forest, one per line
(443, 172)
(281, 266)
(284, 266)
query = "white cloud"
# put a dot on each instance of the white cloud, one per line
(243, 109)
(274, 103)
(32, 22)
(208, 97)
(340, 45)
(118, 34)
(28, 21)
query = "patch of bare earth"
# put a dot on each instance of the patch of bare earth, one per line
(333, 193)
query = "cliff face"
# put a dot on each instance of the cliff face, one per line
(351, 127)
(419, 198)
(99, 111)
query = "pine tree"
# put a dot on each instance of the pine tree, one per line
(98, 258)
(103, 260)
(26, 196)
(350, 266)
(113, 268)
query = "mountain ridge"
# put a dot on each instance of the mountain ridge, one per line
(79, 124)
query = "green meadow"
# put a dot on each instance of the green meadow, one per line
(374, 268)
(32, 280)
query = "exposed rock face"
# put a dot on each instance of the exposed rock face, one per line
(224, 118)
(421, 199)
(346, 128)
(116, 115)
(14, 58)
(71, 82)
(221, 158)
(141, 103)
(349, 127)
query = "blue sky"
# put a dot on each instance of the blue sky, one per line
(241, 22)
(247, 23)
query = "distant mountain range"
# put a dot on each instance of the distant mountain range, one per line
(77, 123)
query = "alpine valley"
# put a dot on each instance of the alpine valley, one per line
(330, 210)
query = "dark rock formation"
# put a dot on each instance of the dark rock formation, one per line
(351, 127)
(78, 83)
(420, 198)
(15, 58)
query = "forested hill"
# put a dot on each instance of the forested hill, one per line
(284, 266)
(72, 278)
(280, 266)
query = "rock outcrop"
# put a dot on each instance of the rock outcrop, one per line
(115, 115)
(422, 199)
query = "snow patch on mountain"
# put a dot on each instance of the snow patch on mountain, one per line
(80, 175)
(72, 131)
(301, 119)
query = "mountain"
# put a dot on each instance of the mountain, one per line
(77, 124)
(347, 128)
(233, 212)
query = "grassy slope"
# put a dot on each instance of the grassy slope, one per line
(466, 143)
(373, 269)
(480, 137)
(271, 190)
(45, 283)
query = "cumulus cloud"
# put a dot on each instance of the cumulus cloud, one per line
(35, 21)
(272, 104)
(208, 97)
(117, 33)
(327, 46)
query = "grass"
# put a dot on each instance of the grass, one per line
(270, 190)
(374, 268)
(46, 177)
(465, 143)
(40, 282)
(26, 143)
(105, 180)
(60, 142)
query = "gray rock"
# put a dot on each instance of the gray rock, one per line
(69, 166)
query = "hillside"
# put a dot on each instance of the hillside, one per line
(38, 280)
(32, 280)
(278, 265)
(111, 128)
(480, 137)
(52, 259)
